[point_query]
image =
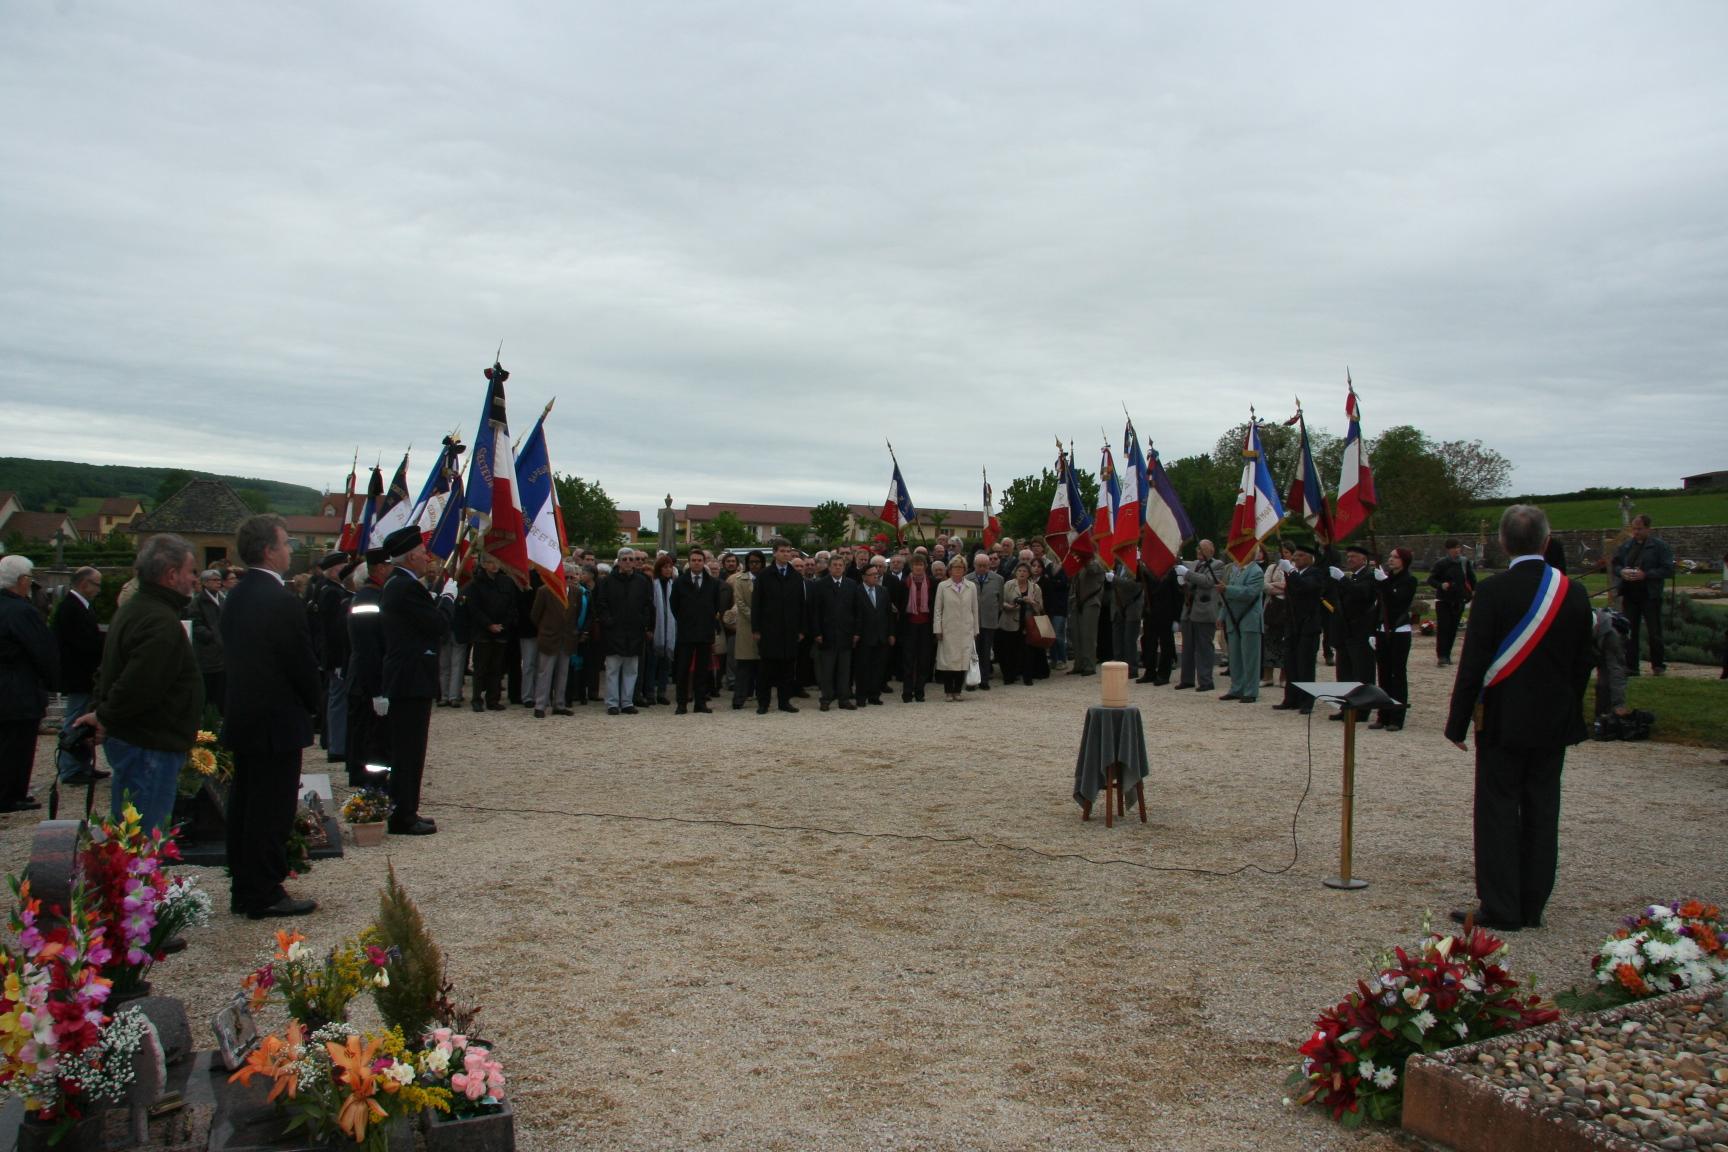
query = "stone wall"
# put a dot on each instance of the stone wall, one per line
(1703, 543)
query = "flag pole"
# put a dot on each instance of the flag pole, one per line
(1373, 542)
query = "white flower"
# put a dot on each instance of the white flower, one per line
(1366, 1069)
(298, 952)
(1445, 945)
(1385, 1078)
(1686, 950)
(438, 1060)
(1462, 1028)
(1658, 951)
(1659, 911)
(1423, 1020)
(402, 1073)
(1472, 984)
(381, 978)
(1415, 997)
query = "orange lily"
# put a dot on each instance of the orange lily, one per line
(274, 1057)
(284, 941)
(354, 1066)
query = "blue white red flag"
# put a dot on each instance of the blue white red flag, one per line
(349, 540)
(1306, 500)
(435, 493)
(494, 510)
(447, 532)
(540, 509)
(1058, 532)
(369, 510)
(1258, 511)
(898, 509)
(1167, 524)
(1080, 546)
(992, 525)
(1130, 515)
(1104, 520)
(1356, 497)
(392, 511)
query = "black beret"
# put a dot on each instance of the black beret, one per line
(376, 555)
(1359, 549)
(402, 541)
(1299, 546)
(332, 560)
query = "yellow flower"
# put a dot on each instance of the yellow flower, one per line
(206, 737)
(204, 761)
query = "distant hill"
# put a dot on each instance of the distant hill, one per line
(52, 485)
(1600, 509)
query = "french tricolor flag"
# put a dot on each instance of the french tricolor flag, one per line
(494, 508)
(1356, 498)
(1058, 529)
(898, 509)
(1258, 512)
(1104, 521)
(1307, 499)
(1167, 524)
(1129, 518)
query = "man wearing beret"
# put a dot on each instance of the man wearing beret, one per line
(330, 596)
(1304, 587)
(1358, 613)
(415, 623)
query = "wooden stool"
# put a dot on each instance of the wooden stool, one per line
(1118, 806)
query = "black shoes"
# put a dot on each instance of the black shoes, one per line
(787, 708)
(494, 707)
(1462, 914)
(614, 711)
(420, 827)
(1183, 687)
(761, 709)
(287, 906)
(28, 804)
(704, 708)
(563, 712)
(848, 706)
(479, 707)
(630, 711)
(681, 710)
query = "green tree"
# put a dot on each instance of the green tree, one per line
(253, 498)
(1026, 502)
(171, 483)
(1479, 473)
(828, 522)
(590, 516)
(937, 518)
(1414, 491)
(1207, 488)
(725, 531)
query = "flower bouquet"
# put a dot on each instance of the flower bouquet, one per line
(1663, 948)
(208, 761)
(338, 1084)
(1452, 989)
(365, 811)
(59, 1049)
(467, 1069)
(139, 906)
(317, 991)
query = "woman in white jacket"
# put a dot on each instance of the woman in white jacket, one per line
(955, 627)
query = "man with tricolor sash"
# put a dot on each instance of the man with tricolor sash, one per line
(1527, 658)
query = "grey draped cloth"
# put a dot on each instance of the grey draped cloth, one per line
(1112, 736)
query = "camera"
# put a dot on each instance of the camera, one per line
(76, 737)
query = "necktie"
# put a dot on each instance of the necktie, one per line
(698, 583)
(871, 592)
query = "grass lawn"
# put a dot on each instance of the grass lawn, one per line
(1598, 581)
(1704, 508)
(1689, 710)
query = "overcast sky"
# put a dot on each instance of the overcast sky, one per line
(743, 243)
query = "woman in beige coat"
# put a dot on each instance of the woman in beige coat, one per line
(1020, 597)
(956, 630)
(744, 653)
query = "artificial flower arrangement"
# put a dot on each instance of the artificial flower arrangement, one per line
(317, 990)
(207, 761)
(1663, 948)
(1453, 989)
(338, 1082)
(139, 906)
(368, 806)
(59, 1048)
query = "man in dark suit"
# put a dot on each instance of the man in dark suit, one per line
(696, 611)
(876, 631)
(834, 625)
(1358, 615)
(79, 639)
(1304, 588)
(1530, 687)
(205, 615)
(329, 619)
(415, 623)
(273, 693)
(368, 750)
(777, 625)
(1454, 582)
(29, 671)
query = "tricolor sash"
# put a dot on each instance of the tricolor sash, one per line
(1522, 640)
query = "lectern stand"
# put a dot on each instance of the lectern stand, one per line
(1351, 696)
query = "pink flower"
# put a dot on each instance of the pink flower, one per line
(378, 957)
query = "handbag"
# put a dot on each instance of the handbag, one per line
(973, 679)
(1040, 632)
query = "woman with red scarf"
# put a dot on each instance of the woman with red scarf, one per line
(917, 603)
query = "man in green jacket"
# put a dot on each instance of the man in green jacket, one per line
(149, 696)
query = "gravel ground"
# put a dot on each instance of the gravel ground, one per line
(654, 983)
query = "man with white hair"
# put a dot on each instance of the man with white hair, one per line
(29, 670)
(78, 639)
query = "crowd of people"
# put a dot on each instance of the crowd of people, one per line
(365, 646)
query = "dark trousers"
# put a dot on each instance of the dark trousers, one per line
(774, 673)
(867, 665)
(1643, 611)
(490, 659)
(916, 653)
(1517, 830)
(1011, 651)
(834, 672)
(1446, 618)
(261, 809)
(952, 682)
(744, 673)
(1392, 660)
(1355, 658)
(1160, 648)
(986, 645)
(17, 758)
(1303, 658)
(368, 743)
(409, 720)
(216, 691)
(690, 665)
(510, 659)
